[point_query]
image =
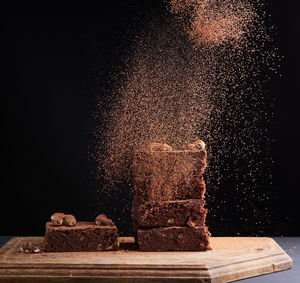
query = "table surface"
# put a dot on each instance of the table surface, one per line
(290, 244)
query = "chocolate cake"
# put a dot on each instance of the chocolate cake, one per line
(171, 213)
(174, 239)
(146, 161)
(145, 190)
(169, 175)
(84, 236)
(168, 208)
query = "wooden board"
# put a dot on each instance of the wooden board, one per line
(231, 259)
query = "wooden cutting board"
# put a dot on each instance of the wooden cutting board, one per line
(231, 259)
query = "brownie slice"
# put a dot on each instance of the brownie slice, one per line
(169, 175)
(171, 213)
(194, 188)
(84, 236)
(174, 239)
(145, 162)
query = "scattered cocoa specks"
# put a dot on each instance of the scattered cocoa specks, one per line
(197, 72)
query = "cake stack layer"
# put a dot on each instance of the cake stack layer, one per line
(175, 238)
(168, 207)
(84, 236)
(171, 213)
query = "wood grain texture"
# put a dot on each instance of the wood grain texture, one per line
(231, 259)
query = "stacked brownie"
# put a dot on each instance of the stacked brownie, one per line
(168, 207)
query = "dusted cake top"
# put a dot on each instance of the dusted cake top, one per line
(161, 173)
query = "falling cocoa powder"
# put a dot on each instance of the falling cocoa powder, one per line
(215, 22)
(194, 73)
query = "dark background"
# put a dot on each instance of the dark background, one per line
(55, 57)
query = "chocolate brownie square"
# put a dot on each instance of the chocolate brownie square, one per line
(169, 175)
(171, 213)
(174, 239)
(84, 236)
(146, 163)
(194, 188)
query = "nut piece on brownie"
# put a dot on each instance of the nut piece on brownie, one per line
(57, 218)
(102, 220)
(69, 220)
(61, 219)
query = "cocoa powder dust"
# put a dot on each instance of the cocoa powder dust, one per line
(195, 72)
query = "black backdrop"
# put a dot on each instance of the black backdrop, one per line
(54, 56)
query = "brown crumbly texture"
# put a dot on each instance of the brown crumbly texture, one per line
(171, 213)
(84, 236)
(174, 239)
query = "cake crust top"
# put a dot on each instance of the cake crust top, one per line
(81, 225)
